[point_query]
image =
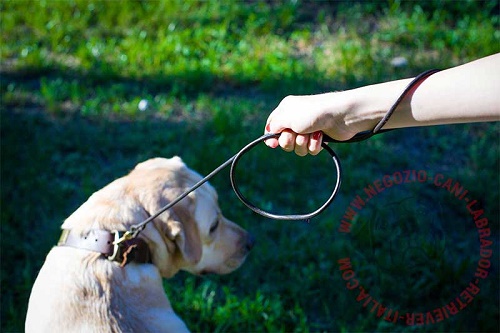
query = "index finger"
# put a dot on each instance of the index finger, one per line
(271, 142)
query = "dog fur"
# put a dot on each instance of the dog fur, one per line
(82, 291)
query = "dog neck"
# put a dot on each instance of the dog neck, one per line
(105, 242)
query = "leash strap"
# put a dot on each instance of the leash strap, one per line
(136, 229)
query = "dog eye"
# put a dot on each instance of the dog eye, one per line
(214, 226)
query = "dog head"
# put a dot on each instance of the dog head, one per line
(193, 235)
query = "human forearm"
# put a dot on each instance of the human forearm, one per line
(466, 93)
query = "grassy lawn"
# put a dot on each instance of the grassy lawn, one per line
(72, 74)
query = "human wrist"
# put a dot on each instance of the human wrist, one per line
(369, 104)
(365, 109)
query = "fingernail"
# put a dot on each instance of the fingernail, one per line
(268, 128)
(317, 135)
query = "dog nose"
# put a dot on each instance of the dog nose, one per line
(250, 241)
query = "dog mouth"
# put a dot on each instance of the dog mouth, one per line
(229, 266)
(232, 263)
(235, 263)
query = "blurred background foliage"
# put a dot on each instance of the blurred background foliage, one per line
(90, 88)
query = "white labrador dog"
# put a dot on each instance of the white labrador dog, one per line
(79, 289)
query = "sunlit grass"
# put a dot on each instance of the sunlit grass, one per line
(74, 72)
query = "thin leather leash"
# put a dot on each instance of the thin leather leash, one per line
(134, 231)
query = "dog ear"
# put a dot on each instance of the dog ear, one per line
(184, 232)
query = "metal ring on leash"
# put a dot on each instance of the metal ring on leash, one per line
(292, 217)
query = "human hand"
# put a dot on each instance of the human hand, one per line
(303, 121)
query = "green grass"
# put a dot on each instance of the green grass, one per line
(71, 77)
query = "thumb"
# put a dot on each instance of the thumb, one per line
(272, 126)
